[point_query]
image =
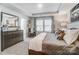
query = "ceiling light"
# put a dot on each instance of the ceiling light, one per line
(40, 5)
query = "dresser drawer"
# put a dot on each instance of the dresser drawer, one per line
(11, 38)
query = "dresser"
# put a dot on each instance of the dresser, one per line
(9, 38)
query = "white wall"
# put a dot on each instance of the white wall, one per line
(22, 20)
(61, 17)
(74, 25)
(24, 27)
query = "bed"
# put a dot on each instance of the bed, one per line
(48, 44)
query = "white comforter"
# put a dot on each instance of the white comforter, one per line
(36, 43)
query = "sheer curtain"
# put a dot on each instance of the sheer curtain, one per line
(39, 25)
(44, 24)
(47, 25)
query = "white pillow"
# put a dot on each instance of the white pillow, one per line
(71, 36)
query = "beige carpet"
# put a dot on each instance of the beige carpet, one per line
(17, 49)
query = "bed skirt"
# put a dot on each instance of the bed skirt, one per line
(32, 52)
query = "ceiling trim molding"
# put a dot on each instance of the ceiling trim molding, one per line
(14, 8)
(44, 13)
(57, 11)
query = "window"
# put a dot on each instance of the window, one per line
(39, 25)
(43, 24)
(47, 25)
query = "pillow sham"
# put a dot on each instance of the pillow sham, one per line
(71, 36)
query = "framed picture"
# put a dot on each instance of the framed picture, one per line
(75, 13)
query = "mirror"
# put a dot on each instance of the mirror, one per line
(9, 21)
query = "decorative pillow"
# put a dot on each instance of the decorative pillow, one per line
(61, 35)
(71, 36)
